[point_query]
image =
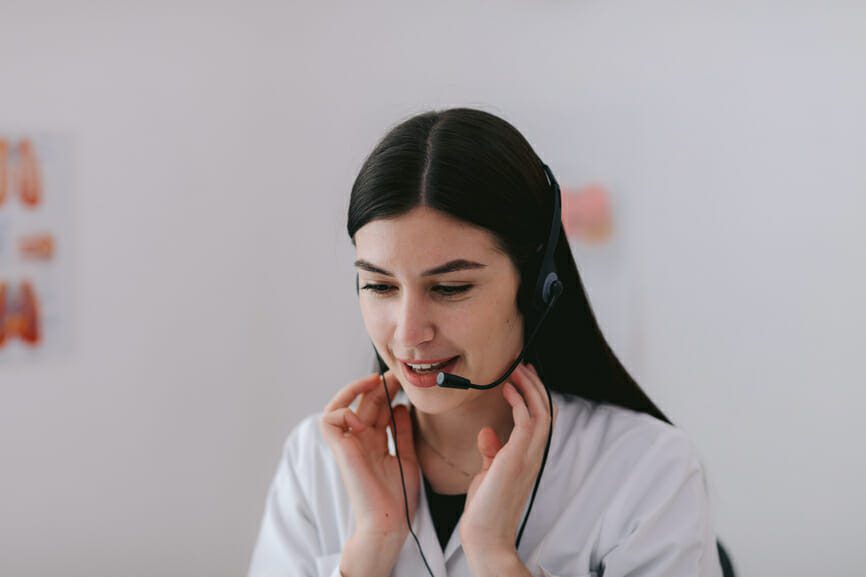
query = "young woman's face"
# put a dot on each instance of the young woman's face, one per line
(434, 288)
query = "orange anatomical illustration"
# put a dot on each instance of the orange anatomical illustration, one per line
(2, 313)
(36, 247)
(35, 177)
(29, 177)
(4, 171)
(19, 313)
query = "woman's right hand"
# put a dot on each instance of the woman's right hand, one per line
(370, 474)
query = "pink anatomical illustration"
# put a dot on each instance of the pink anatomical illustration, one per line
(586, 213)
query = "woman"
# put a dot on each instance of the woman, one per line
(451, 218)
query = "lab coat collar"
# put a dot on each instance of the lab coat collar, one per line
(410, 561)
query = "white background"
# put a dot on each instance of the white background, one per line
(213, 299)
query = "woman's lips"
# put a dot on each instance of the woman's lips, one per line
(428, 379)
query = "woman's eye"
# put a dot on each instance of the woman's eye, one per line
(451, 290)
(378, 289)
(443, 290)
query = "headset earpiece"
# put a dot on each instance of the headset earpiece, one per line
(552, 289)
(548, 287)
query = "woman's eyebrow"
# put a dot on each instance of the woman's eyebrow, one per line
(453, 266)
(450, 266)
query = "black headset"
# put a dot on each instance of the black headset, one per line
(548, 289)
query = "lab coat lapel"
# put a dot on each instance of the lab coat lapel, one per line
(454, 541)
(410, 561)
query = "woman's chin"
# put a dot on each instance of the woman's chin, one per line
(436, 400)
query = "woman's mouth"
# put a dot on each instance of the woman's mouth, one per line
(423, 373)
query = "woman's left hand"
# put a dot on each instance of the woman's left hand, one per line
(498, 494)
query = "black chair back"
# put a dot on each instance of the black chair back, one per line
(727, 566)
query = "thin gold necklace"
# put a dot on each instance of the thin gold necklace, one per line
(448, 461)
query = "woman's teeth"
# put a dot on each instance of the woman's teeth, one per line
(428, 368)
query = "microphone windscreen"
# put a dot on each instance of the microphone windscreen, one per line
(452, 381)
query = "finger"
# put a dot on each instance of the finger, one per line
(383, 416)
(547, 400)
(546, 393)
(539, 407)
(522, 431)
(374, 401)
(343, 421)
(532, 388)
(348, 393)
(542, 388)
(488, 445)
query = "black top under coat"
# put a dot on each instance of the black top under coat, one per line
(445, 511)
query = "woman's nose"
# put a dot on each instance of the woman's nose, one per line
(414, 324)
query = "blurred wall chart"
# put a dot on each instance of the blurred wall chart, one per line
(35, 222)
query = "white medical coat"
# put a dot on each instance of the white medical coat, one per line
(622, 494)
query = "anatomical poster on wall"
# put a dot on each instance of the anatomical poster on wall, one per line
(35, 222)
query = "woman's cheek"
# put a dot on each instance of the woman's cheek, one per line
(459, 323)
(375, 321)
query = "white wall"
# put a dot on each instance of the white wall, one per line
(215, 147)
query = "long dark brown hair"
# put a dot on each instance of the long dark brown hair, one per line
(478, 168)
